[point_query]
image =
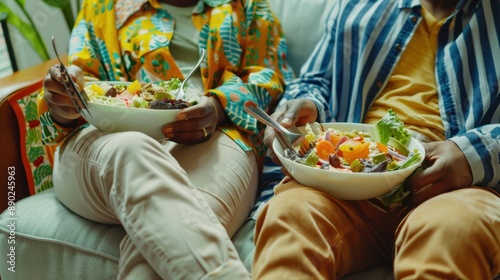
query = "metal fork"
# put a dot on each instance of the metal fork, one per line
(70, 86)
(180, 94)
(288, 140)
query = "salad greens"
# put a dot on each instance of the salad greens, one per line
(390, 131)
(390, 127)
(134, 94)
(384, 148)
(170, 85)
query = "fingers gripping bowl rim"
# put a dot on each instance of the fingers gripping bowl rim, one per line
(110, 118)
(348, 185)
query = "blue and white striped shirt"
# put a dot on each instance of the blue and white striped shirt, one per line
(362, 44)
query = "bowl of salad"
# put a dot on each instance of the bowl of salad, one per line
(135, 106)
(355, 161)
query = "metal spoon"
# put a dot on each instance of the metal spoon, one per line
(288, 140)
(180, 92)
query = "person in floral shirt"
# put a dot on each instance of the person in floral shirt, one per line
(180, 200)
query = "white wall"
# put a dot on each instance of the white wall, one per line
(49, 21)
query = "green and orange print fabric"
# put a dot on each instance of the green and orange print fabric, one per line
(37, 159)
(245, 59)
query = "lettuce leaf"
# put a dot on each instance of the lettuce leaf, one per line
(170, 85)
(390, 126)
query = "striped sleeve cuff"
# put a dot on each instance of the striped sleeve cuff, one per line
(483, 157)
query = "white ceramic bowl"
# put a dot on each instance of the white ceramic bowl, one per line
(116, 119)
(344, 185)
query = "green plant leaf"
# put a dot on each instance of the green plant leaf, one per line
(65, 7)
(5, 9)
(21, 2)
(68, 16)
(26, 29)
(56, 3)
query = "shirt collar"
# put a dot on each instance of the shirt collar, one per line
(469, 6)
(125, 8)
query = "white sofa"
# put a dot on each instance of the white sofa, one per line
(54, 243)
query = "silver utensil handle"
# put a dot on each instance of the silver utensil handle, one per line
(261, 115)
(254, 110)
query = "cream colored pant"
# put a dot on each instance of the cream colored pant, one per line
(177, 203)
(302, 233)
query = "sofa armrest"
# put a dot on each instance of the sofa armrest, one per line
(10, 150)
(11, 156)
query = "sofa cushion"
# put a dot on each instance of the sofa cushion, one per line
(52, 240)
(301, 35)
(243, 241)
(48, 240)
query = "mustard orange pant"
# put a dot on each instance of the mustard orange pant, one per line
(302, 233)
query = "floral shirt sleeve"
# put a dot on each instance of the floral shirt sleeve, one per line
(245, 60)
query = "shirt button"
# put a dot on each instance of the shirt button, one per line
(397, 47)
(413, 18)
(379, 84)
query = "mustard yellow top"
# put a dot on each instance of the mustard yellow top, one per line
(125, 40)
(411, 90)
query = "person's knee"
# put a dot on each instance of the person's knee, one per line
(452, 216)
(129, 156)
(294, 206)
(130, 146)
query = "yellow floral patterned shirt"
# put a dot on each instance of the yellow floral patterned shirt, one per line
(125, 40)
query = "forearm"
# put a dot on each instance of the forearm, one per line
(221, 114)
(319, 96)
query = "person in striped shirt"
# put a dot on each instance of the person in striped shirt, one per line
(437, 65)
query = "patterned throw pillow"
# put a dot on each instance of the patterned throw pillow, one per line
(37, 158)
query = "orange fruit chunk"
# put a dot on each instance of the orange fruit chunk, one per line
(324, 149)
(350, 145)
(352, 150)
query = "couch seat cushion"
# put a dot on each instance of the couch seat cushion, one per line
(51, 240)
(303, 23)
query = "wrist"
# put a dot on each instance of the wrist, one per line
(52, 132)
(219, 110)
(63, 122)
